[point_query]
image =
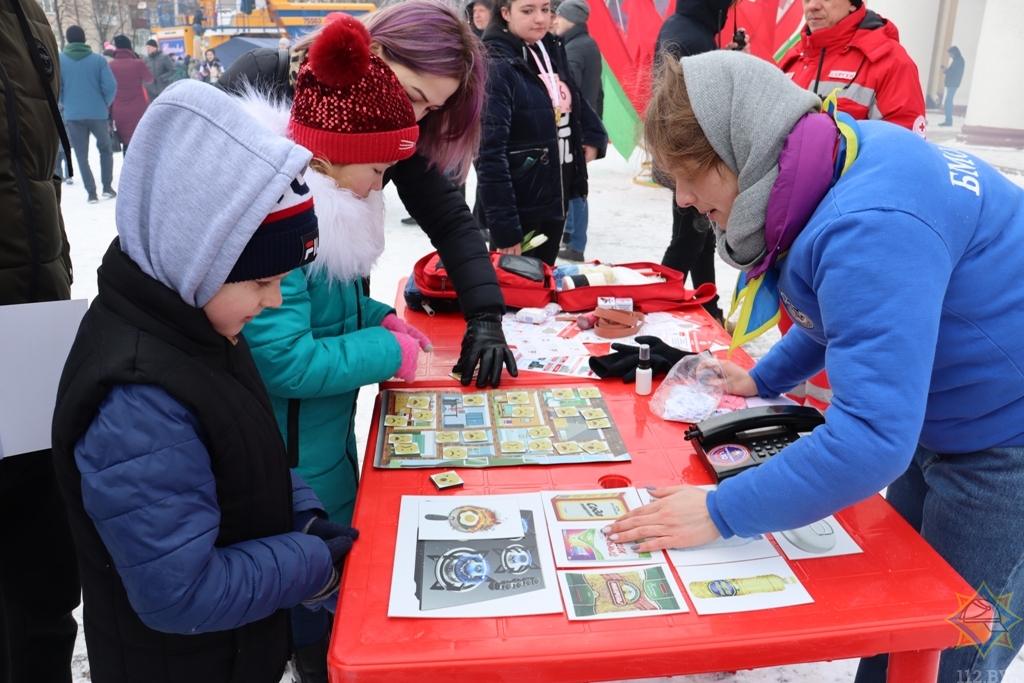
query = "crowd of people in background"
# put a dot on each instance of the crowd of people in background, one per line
(512, 88)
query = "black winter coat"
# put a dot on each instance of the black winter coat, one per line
(585, 62)
(519, 174)
(693, 27)
(138, 331)
(34, 260)
(429, 196)
(955, 70)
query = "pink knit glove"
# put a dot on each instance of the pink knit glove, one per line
(393, 323)
(410, 354)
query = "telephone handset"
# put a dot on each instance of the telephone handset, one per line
(734, 442)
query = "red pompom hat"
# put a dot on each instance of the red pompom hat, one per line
(349, 107)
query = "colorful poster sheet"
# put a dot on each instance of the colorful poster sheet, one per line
(575, 523)
(444, 428)
(465, 556)
(617, 593)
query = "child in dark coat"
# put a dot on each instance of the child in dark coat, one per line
(193, 536)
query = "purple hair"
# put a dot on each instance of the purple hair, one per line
(429, 37)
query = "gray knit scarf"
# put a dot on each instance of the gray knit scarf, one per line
(746, 108)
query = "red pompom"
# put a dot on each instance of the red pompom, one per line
(340, 55)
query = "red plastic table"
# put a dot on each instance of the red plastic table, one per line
(894, 597)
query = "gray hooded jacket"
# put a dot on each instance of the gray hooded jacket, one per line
(186, 206)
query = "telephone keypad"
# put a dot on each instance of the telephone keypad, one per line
(766, 447)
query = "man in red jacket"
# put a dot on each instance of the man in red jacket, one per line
(847, 46)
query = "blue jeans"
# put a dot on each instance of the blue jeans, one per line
(79, 132)
(576, 219)
(948, 104)
(968, 507)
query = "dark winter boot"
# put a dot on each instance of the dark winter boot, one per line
(309, 664)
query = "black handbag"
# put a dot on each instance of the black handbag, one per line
(115, 137)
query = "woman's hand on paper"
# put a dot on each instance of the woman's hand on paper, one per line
(677, 517)
(516, 249)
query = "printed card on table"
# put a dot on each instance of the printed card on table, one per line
(473, 577)
(619, 593)
(743, 586)
(824, 538)
(575, 523)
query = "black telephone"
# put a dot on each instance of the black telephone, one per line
(736, 441)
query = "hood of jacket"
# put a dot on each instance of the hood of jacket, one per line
(77, 51)
(862, 29)
(125, 53)
(201, 178)
(575, 32)
(500, 41)
(710, 13)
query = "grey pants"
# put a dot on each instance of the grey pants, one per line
(79, 132)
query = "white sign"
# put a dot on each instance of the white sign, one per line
(34, 343)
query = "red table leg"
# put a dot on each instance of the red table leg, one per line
(916, 666)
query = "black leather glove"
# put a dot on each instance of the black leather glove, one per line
(623, 362)
(484, 343)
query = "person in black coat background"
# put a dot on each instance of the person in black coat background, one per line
(585, 63)
(691, 30)
(954, 76)
(538, 131)
(406, 35)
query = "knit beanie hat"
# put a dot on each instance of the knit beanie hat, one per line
(576, 11)
(287, 238)
(75, 34)
(152, 43)
(746, 108)
(122, 42)
(349, 107)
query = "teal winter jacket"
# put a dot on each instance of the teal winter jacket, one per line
(314, 352)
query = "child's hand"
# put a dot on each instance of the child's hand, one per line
(410, 355)
(393, 323)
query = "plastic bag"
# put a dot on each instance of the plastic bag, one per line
(691, 391)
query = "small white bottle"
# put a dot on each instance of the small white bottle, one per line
(643, 371)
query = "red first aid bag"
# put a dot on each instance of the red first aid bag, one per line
(525, 282)
(668, 295)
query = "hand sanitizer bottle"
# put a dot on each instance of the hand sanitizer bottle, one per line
(643, 371)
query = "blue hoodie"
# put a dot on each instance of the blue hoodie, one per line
(906, 279)
(87, 85)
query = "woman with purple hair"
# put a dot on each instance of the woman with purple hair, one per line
(441, 66)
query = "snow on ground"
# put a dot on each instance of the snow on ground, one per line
(628, 222)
